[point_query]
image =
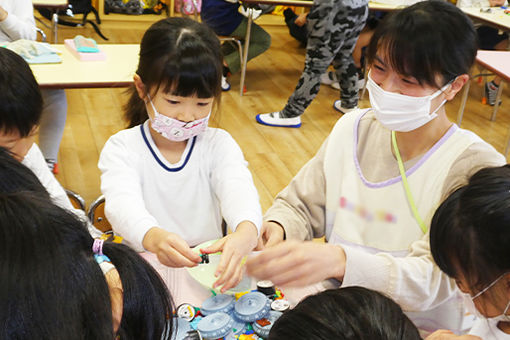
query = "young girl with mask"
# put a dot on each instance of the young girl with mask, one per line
(169, 180)
(373, 186)
(469, 238)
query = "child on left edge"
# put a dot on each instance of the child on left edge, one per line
(169, 180)
(21, 106)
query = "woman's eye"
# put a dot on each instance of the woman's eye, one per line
(409, 81)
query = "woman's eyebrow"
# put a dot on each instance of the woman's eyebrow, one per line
(377, 58)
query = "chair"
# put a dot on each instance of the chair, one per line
(41, 32)
(240, 47)
(97, 216)
(76, 200)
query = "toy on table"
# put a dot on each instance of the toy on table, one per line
(34, 52)
(85, 49)
(248, 318)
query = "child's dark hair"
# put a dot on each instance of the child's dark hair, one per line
(470, 231)
(20, 98)
(352, 313)
(180, 55)
(52, 287)
(425, 40)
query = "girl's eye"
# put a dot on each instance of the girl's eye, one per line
(379, 68)
(203, 104)
(173, 101)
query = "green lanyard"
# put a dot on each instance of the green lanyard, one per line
(409, 195)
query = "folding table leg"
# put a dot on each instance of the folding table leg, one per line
(463, 102)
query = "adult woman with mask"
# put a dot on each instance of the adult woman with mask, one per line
(372, 188)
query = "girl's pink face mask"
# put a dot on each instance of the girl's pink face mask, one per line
(176, 130)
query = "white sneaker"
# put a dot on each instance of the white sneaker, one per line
(274, 119)
(337, 105)
(225, 86)
(329, 78)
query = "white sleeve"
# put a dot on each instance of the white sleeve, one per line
(20, 22)
(122, 188)
(232, 182)
(34, 160)
(414, 281)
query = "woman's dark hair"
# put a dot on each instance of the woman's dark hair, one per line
(52, 287)
(180, 55)
(352, 313)
(470, 231)
(425, 40)
(20, 98)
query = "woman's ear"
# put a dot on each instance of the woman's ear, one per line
(140, 87)
(456, 86)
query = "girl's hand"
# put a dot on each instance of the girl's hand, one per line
(443, 334)
(297, 264)
(234, 248)
(272, 234)
(301, 19)
(170, 248)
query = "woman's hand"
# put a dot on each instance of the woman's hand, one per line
(234, 248)
(170, 248)
(496, 3)
(443, 334)
(297, 264)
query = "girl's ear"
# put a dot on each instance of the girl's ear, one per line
(456, 86)
(140, 87)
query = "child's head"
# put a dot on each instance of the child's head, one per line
(179, 72)
(470, 238)
(345, 314)
(53, 288)
(428, 44)
(20, 104)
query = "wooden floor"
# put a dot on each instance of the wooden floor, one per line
(274, 154)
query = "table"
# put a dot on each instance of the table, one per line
(299, 3)
(116, 71)
(53, 5)
(496, 18)
(497, 63)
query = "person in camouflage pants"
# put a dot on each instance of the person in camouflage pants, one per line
(334, 27)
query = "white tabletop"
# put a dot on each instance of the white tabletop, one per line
(116, 71)
(495, 61)
(496, 17)
(50, 3)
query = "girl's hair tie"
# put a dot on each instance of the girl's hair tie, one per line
(97, 247)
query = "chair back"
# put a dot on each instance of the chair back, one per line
(76, 200)
(97, 216)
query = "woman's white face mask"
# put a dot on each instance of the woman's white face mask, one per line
(398, 112)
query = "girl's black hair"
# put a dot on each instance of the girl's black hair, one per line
(352, 313)
(470, 231)
(21, 102)
(52, 287)
(428, 39)
(180, 55)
